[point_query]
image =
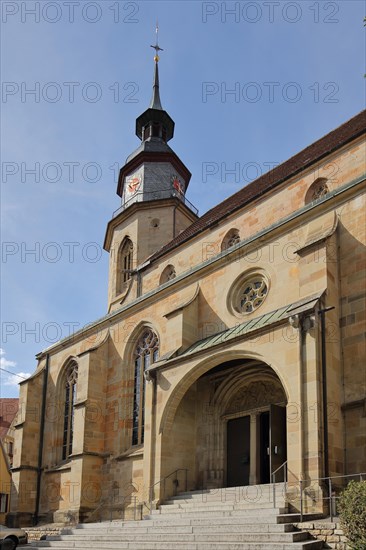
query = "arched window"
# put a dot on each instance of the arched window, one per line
(231, 238)
(318, 189)
(146, 352)
(70, 395)
(168, 274)
(125, 264)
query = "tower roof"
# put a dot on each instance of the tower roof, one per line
(155, 100)
(155, 114)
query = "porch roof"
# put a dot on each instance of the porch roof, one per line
(273, 317)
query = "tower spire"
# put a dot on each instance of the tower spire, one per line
(155, 100)
(155, 124)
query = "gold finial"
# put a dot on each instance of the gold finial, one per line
(157, 47)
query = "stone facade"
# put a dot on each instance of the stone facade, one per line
(240, 350)
(330, 533)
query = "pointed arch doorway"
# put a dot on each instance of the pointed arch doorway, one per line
(252, 404)
(229, 428)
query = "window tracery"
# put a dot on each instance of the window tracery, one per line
(125, 264)
(168, 274)
(146, 353)
(252, 295)
(231, 239)
(70, 398)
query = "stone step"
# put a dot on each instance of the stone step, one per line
(252, 493)
(189, 523)
(207, 527)
(308, 545)
(210, 521)
(171, 506)
(212, 510)
(188, 537)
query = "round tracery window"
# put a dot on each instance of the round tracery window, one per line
(252, 295)
(248, 293)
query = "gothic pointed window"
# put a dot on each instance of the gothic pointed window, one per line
(146, 353)
(125, 264)
(69, 397)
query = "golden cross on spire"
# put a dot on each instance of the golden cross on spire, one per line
(157, 47)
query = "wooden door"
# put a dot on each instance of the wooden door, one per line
(277, 440)
(238, 451)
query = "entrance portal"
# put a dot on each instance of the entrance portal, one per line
(230, 427)
(252, 458)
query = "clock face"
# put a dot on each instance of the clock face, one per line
(177, 184)
(133, 184)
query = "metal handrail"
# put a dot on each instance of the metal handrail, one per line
(273, 479)
(279, 468)
(110, 507)
(165, 193)
(328, 482)
(163, 480)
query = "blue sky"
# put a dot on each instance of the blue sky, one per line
(248, 84)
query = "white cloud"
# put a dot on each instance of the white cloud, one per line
(13, 379)
(4, 363)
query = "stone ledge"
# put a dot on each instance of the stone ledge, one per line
(36, 533)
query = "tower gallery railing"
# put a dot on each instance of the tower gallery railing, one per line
(156, 195)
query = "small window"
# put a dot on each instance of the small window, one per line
(10, 448)
(168, 274)
(146, 132)
(318, 189)
(231, 238)
(156, 129)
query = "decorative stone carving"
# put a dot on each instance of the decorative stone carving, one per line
(254, 395)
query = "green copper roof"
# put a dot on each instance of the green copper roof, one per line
(283, 313)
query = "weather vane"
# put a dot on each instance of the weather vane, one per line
(157, 47)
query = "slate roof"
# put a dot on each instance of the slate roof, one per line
(337, 138)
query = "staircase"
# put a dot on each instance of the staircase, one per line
(222, 519)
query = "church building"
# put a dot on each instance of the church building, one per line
(232, 352)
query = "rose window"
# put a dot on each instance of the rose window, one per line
(252, 294)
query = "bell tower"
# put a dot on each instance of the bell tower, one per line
(154, 210)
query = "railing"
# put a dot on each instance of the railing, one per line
(331, 489)
(163, 483)
(106, 508)
(162, 194)
(305, 489)
(273, 479)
